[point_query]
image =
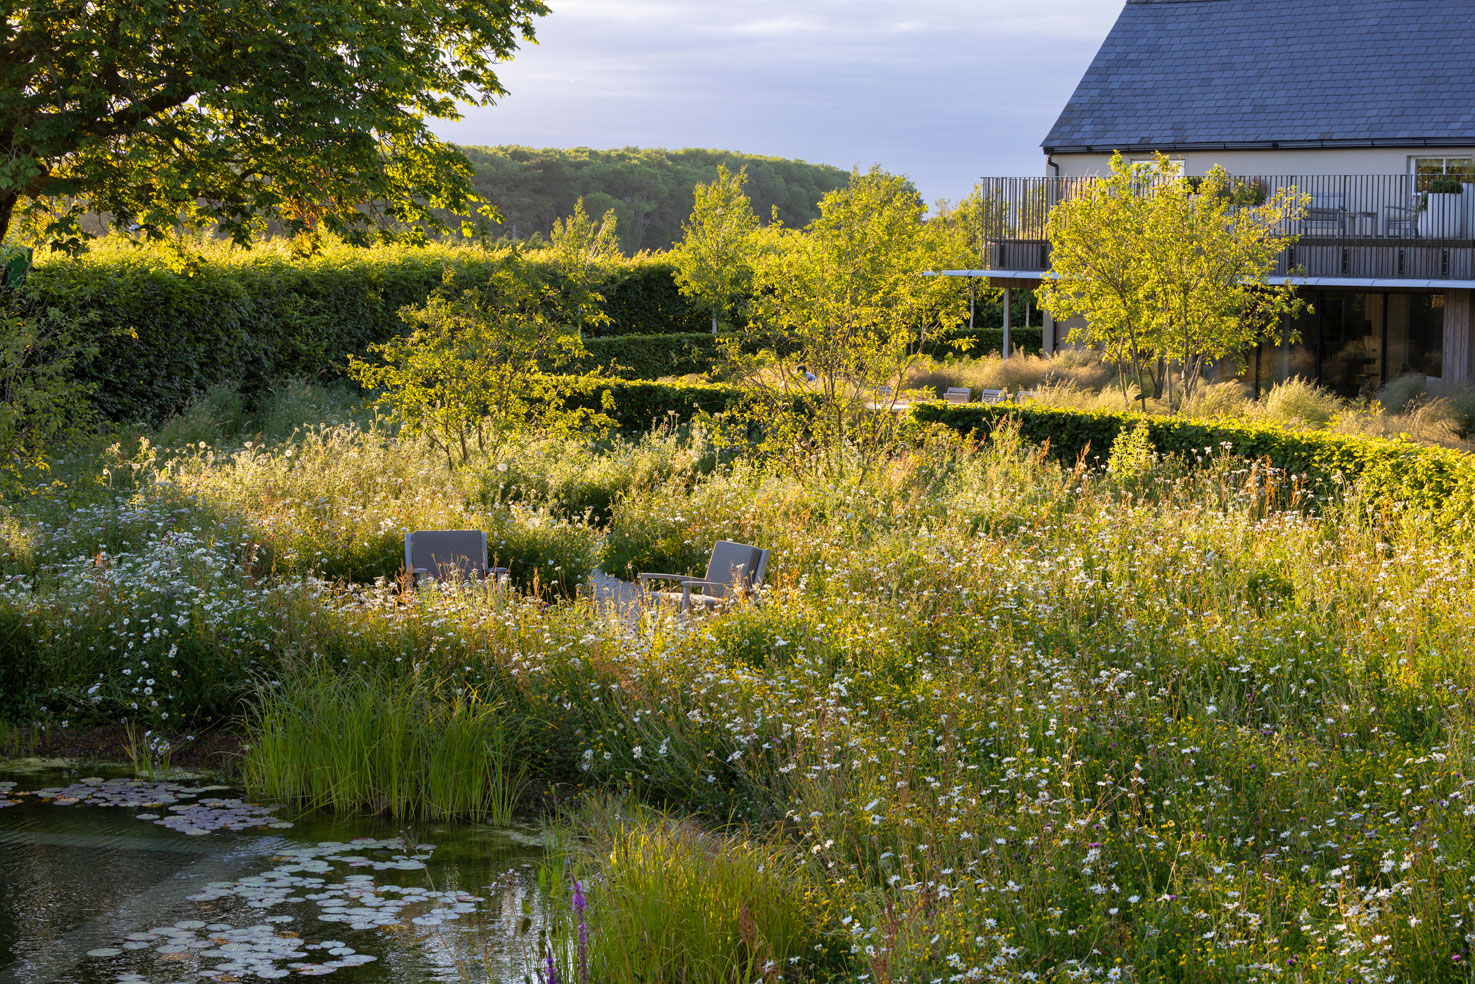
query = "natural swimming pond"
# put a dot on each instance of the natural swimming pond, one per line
(109, 879)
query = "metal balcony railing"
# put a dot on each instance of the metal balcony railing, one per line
(1390, 226)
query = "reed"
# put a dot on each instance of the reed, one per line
(368, 742)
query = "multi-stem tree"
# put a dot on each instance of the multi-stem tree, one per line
(582, 250)
(844, 301)
(1169, 271)
(480, 366)
(714, 261)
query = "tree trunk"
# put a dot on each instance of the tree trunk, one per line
(714, 321)
(7, 209)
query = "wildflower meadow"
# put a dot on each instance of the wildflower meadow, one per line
(992, 718)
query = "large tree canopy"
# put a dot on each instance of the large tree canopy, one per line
(231, 112)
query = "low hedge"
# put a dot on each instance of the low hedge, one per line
(650, 356)
(640, 405)
(1393, 471)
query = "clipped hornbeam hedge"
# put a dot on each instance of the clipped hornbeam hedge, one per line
(1422, 475)
(651, 356)
(250, 319)
(639, 405)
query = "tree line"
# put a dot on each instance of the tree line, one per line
(648, 190)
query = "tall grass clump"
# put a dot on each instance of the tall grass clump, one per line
(661, 899)
(1298, 403)
(367, 742)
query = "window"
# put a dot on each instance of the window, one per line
(1426, 169)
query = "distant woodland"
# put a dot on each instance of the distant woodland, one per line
(649, 190)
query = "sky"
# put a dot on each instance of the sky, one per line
(943, 91)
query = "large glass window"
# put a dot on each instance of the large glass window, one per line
(1415, 334)
(1353, 343)
(1426, 169)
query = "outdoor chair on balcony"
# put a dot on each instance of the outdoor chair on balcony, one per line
(958, 394)
(1326, 215)
(734, 572)
(1402, 221)
(449, 555)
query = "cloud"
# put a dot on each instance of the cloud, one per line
(942, 90)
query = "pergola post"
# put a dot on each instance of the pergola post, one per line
(1008, 300)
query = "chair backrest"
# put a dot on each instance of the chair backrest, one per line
(1326, 207)
(737, 565)
(991, 396)
(447, 553)
(957, 394)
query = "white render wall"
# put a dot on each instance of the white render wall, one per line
(1379, 160)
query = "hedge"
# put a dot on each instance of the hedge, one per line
(651, 356)
(640, 404)
(251, 319)
(1424, 476)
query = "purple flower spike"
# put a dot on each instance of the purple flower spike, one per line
(550, 970)
(579, 906)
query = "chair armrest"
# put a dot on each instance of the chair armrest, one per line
(696, 582)
(647, 576)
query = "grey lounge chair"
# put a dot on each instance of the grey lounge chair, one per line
(957, 394)
(735, 571)
(991, 396)
(449, 555)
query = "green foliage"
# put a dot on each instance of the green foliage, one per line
(251, 320)
(636, 406)
(1168, 272)
(843, 301)
(42, 402)
(475, 368)
(650, 356)
(370, 743)
(582, 251)
(310, 112)
(641, 298)
(1399, 473)
(667, 900)
(651, 191)
(714, 261)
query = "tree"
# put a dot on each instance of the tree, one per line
(844, 301)
(1099, 273)
(713, 261)
(479, 367)
(1212, 249)
(231, 112)
(1169, 270)
(581, 250)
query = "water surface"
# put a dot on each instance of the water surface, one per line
(106, 880)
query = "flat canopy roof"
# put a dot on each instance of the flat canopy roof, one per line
(1387, 283)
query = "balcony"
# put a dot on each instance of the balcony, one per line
(1363, 228)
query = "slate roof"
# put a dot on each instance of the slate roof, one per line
(1211, 74)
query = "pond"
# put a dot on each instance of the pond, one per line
(108, 879)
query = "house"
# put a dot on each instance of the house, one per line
(1368, 106)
